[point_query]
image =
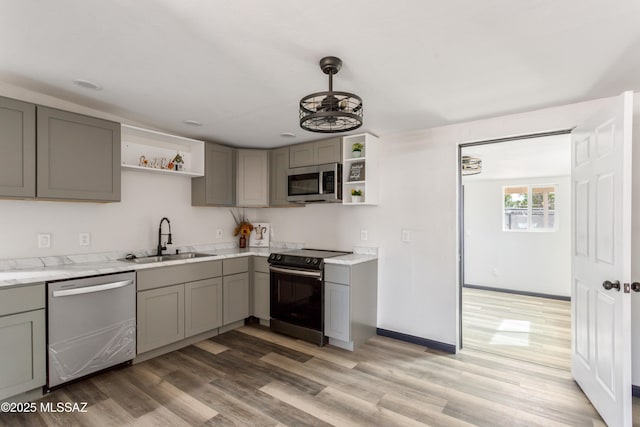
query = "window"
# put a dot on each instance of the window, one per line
(529, 208)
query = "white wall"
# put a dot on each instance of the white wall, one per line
(418, 281)
(523, 261)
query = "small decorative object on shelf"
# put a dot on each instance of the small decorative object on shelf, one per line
(260, 235)
(356, 195)
(356, 171)
(243, 226)
(356, 149)
(178, 162)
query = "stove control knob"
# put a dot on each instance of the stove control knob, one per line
(279, 257)
(315, 261)
(308, 260)
(271, 257)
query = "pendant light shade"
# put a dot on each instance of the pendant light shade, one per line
(331, 111)
(471, 165)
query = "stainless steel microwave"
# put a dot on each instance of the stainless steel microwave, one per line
(319, 183)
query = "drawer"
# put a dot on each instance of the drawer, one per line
(337, 274)
(165, 276)
(235, 265)
(21, 299)
(260, 264)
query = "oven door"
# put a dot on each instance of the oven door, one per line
(297, 297)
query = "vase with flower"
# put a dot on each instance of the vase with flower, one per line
(243, 227)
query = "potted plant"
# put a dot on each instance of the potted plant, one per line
(356, 149)
(243, 227)
(356, 195)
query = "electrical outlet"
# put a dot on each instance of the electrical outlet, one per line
(364, 235)
(406, 236)
(84, 239)
(218, 233)
(44, 240)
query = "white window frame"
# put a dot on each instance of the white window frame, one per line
(529, 229)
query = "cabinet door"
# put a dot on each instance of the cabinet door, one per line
(160, 317)
(22, 353)
(261, 296)
(253, 178)
(278, 178)
(17, 148)
(217, 186)
(328, 151)
(337, 311)
(78, 157)
(235, 294)
(203, 306)
(301, 155)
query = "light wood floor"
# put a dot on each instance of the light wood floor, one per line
(253, 377)
(524, 327)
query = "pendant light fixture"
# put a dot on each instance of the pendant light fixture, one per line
(331, 111)
(471, 165)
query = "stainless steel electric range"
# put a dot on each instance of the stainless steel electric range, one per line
(297, 293)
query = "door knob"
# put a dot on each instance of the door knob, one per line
(611, 285)
(635, 287)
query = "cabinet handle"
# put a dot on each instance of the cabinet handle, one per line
(90, 289)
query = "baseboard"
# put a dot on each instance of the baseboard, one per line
(512, 291)
(436, 345)
(635, 390)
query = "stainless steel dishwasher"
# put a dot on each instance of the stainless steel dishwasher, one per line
(91, 325)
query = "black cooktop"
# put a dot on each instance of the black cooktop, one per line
(303, 258)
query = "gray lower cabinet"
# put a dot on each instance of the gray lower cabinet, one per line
(177, 302)
(160, 317)
(261, 289)
(337, 322)
(18, 148)
(203, 306)
(217, 187)
(350, 303)
(78, 157)
(235, 294)
(22, 334)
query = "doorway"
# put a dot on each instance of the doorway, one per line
(515, 228)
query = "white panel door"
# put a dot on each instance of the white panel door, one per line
(601, 211)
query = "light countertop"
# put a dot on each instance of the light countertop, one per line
(36, 270)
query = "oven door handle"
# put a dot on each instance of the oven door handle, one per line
(91, 289)
(317, 274)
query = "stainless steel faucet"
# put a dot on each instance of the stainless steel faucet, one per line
(162, 247)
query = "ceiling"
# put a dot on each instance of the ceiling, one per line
(523, 158)
(241, 67)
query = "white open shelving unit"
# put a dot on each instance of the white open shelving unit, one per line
(367, 163)
(154, 145)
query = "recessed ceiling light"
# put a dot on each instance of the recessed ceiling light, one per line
(192, 122)
(87, 84)
(288, 135)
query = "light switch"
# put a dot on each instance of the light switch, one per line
(218, 233)
(44, 240)
(364, 235)
(406, 236)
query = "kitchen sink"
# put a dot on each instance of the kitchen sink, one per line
(168, 257)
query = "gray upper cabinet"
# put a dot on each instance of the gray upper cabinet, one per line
(18, 143)
(253, 178)
(278, 178)
(328, 151)
(217, 186)
(78, 157)
(316, 153)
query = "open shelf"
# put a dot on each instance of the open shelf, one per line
(360, 172)
(160, 148)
